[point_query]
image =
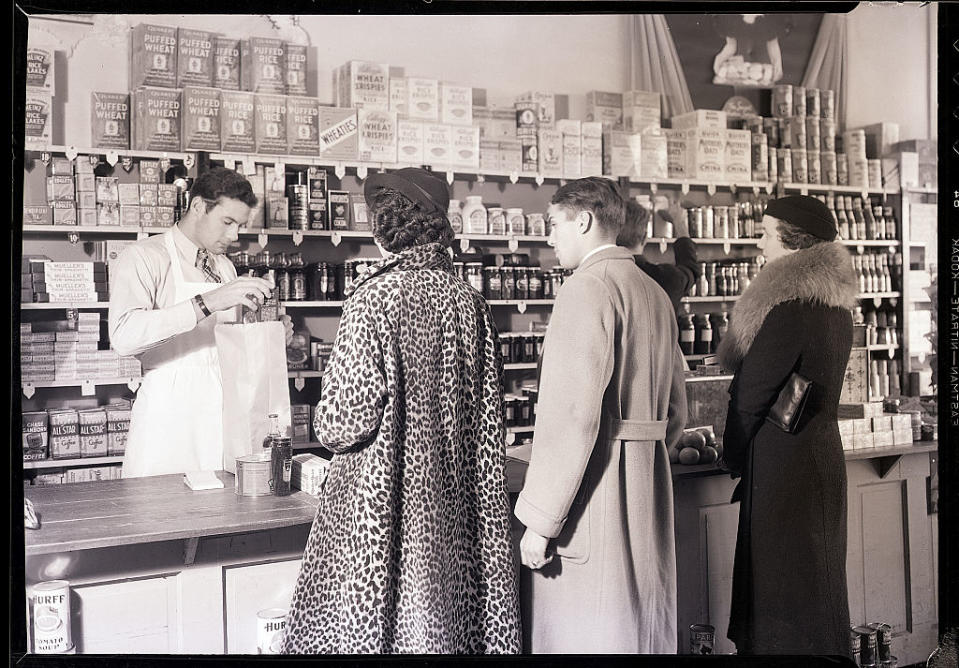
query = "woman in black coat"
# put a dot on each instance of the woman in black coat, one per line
(789, 578)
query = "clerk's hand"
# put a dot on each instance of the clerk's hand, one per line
(248, 291)
(532, 549)
(288, 326)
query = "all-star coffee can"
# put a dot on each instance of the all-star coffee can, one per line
(51, 617)
(270, 627)
(701, 638)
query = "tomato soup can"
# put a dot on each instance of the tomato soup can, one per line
(51, 617)
(883, 639)
(253, 475)
(270, 627)
(701, 638)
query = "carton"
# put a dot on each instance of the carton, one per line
(641, 110)
(338, 133)
(503, 123)
(359, 220)
(676, 155)
(572, 132)
(550, 150)
(706, 153)
(738, 157)
(592, 156)
(490, 158)
(399, 96)
(129, 214)
(148, 193)
(296, 69)
(270, 114)
(317, 181)
(226, 63)
(149, 171)
(456, 104)
(110, 120)
(621, 153)
(422, 99)
(86, 182)
(339, 213)
(437, 144)
(37, 215)
(153, 56)
(201, 120)
(37, 119)
(862, 409)
(157, 113)
(64, 434)
(546, 107)
(40, 69)
(464, 147)
(606, 108)
(60, 189)
(237, 122)
(880, 139)
(64, 213)
(263, 65)
(874, 173)
(926, 149)
(654, 154)
(303, 125)
(760, 157)
(511, 155)
(376, 135)
(362, 85)
(700, 118)
(93, 432)
(409, 142)
(35, 443)
(862, 441)
(882, 423)
(194, 58)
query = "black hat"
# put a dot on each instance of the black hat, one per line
(807, 213)
(423, 188)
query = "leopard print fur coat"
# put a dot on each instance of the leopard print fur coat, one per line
(410, 550)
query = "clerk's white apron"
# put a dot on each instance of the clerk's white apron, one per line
(177, 420)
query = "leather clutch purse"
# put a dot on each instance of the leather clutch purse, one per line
(787, 410)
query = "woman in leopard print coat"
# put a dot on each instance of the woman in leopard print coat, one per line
(410, 550)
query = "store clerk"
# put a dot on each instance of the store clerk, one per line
(163, 292)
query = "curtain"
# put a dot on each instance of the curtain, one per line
(827, 66)
(653, 63)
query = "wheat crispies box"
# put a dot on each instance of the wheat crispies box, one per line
(194, 58)
(296, 69)
(226, 63)
(338, 133)
(40, 69)
(153, 56)
(302, 125)
(237, 122)
(270, 114)
(377, 135)
(110, 120)
(263, 65)
(201, 119)
(362, 85)
(157, 112)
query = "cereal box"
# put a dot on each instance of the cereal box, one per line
(360, 221)
(34, 435)
(738, 157)
(339, 213)
(270, 114)
(550, 151)
(338, 133)
(37, 119)
(700, 118)
(237, 122)
(456, 104)
(157, 112)
(303, 125)
(606, 108)
(423, 99)
(706, 153)
(641, 110)
(277, 212)
(654, 154)
(153, 54)
(546, 107)
(437, 144)
(362, 85)
(40, 68)
(621, 153)
(377, 135)
(226, 63)
(110, 120)
(399, 96)
(64, 433)
(194, 58)
(201, 119)
(93, 432)
(296, 69)
(464, 147)
(572, 147)
(263, 65)
(409, 142)
(592, 157)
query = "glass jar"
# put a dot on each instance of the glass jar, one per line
(509, 405)
(535, 283)
(508, 282)
(492, 283)
(529, 347)
(515, 222)
(474, 275)
(475, 215)
(506, 347)
(519, 349)
(455, 215)
(536, 225)
(497, 220)
(522, 282)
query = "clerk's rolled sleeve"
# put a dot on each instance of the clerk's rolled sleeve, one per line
(136, 324)
(577, 367)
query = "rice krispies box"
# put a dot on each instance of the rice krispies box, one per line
(201, 119)
(153, 56)
(270, 116)
(226, 63)
(263, 65)
(194, 58)
(237, 122)
(110, 120)
(303, 125)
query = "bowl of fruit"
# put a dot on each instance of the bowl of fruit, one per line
(697, 445)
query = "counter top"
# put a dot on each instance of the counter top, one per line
(107, 513)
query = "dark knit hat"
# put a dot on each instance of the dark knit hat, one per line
(807, 213)
(424, 188)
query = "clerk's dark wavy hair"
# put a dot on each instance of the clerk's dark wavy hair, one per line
(219, 182)
(399, 223)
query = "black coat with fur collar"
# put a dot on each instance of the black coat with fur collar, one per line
(789, 580)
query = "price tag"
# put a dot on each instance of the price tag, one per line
(562, 182)
(480, 178)
(336, 238)
(299, 383)
(726, 247)
(142, 235)
(249, 165)
(297, 237)
(449, 176)
(521, 306)
(279, 169)
(653, 187)
(864, 195)
(769, 188)
(112, 157)
(877, 301)
(28, 390)
(133, 384)
(711, 188)
(340, 170)
(510, 438)
(539, 179)
(45, 158)
(889, 352)
(513, 176)
(361, 172)
(464, 244)
(662, 245)
(922, 357)
(262, 238)
(126, 161)
(860, 249)
(229, 163)
(189, 160)
(755, 190)
(684, 187)
(73, 237)
(803, 190)
(513, 244)
(71, 152)
(87, 388)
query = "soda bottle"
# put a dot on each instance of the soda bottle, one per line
(274, 432)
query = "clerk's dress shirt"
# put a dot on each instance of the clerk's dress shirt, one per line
(142, 313)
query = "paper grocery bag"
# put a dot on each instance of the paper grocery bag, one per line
(255, 384)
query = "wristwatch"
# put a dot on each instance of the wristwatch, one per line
(198, 300)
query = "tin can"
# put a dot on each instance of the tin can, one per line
(867, 645)
(722, 222)
(506, 347)
(299, 207)
(799, 101)
(701, 638)
(522, 282)
(529, 347)
(508, 282)
(855, 644)
(813, 133)
(696, 227)
(51, 617)
(883, 639)
(827, 104)
(891, 662)
(709, 222)
(492, 283)
(813, 99)
(270, 628)
(782, 105)
(253, 475)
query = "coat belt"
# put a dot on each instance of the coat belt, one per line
(636, 430)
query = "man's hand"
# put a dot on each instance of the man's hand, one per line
(677, 216)
(248, 291)
(288, 326)
(533, 550)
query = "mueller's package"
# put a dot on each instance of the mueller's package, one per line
(302, 125)
(110, 120)
(270, 114)
(153, 56)
(201, 119)
(226, 63)
(263, 65)
(295, 69)
(237, 122)
(194, 58)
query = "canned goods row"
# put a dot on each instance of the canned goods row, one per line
(519, 410)
(724, 279)
(511, 282)
(742, 220)
(518, 347)
(789, 100)
(871, 645)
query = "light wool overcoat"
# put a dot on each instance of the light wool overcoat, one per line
(612, 397)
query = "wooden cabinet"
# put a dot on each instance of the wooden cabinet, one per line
(249, 589)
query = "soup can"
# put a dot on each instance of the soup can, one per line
(867, 645)
(51, 617)
(883, 639)
(270, 627)
(701, 638)
(855, 644)
(253, 475)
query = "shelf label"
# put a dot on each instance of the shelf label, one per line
(189, 160)
(562, 182)
(361, 172)
(28, 390)
(877, 301)
(732, 188)
(513, 244)
(769, 188)
(297, 237)
(510, 438)
(263, 238)
(922, 357)
(45, 158)
(726, 247)
(279, 169)
(126, 161)
(229, 163)
(480, 178)
(890, 352)
(803, 190)
(299, 383)
(513, 176)
(464, 244)
(336, 238)
(133, 384)
(164, 163)
(662, 245)
(73, 237)
(864, 195)
(71, 152)
(711, 188)
(449, 176)
(87, 388)
(653, 186)
(249, 165)
(142, 235)
(521, 306)
(112, 157)
(684, 187)
(755, 190)
(860, 249)
(340, 170)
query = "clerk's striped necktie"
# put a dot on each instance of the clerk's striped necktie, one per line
(206, 266)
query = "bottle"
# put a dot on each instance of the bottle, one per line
(871, 231)
(282, 277)
(722, 285)
(894, 383)
(892, 321)
(274, 432)
(743, 278)
(843, 223)
(853, 225)
(297, 278)
(704, 283)
(474, 215)
(735, 224)
(857, 265)
(704, 338)
(881, 226)
(856, 206)
(455, 215)
(874, 380)
(687, 333)
(890, 216)
(896, 271)
(281, 466)
(886, 278)
(719, 331)
(883, 378)
(870, 274)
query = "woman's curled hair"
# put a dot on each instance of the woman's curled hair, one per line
(399, 223)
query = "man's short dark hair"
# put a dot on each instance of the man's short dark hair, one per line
(219, 182)
(635, 225)
(594, 194)
(794, 237)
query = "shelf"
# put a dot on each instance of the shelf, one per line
(879, 295)
(519, 302)
(707, 300)
(702, 379)
(504, 237)
(870, 242)
(52, 306)
(720, 242)
(88, 386)
(826, 188)
(84, 229)
(304, 373)
(918, 190)
(516, 366)
(520, 430)
(148, 155)
(82, 461)
(313, 304)
(885, 459)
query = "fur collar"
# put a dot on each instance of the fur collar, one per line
(822, 274)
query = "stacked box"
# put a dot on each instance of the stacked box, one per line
(502, 123)
(399, 96)
(622, 153)
(572, 132)
(546, 107)
(309, 473)
(676, 155)
(738, 156)
(409, 142)
(238, 122)
(93, 432)
(34, 425)
(318, 214)
(64, 433)
(363, 85)
(464, 147)
(263, 65)
(592, 156)
(550, 149)
(760, 157)
(654, 154)
(527, 131)
(490, 158)
(359, 221)
(813, 167)
(605, 108)
(296, 70)
(303, 125)
(110, 120)
(797, 132)
(37, 215)
(456, 104)
(270, 114)
(700, 118)
(118, 426)
(71, 281)
(277, 212)
(38, 117)
(40, 69)
(641, 110)
(376, 135)
(860, 410)
(423, 102)
(130, 367)
(706, 153)
(437, 145)
(156, 119)
(153, 56)
(339, 213)
(300, 418)
(226, 63)
(338, 133)
(201, 119)
(194, 58)
(511, 155)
